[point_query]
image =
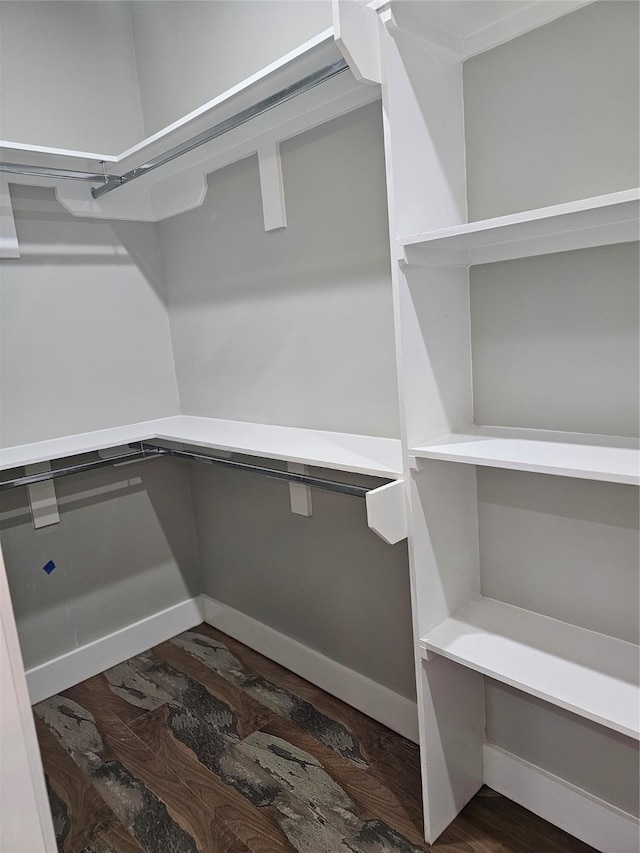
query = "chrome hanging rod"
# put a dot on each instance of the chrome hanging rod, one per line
(141, 451)
(30, 479)
(272, 473)
(281, 97)
(50, 172)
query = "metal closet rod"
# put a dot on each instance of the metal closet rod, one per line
(225, 126)
(112, 182)
(51, 172)
(142, 451)
(30, 479)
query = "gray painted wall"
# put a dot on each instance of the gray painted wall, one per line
(101, 76)
(85, 344)
(189, 52)
(327, 581)
(562, 123)
(555, 341)
(84, 332)
(564, 547)
(292, 327)
(124, 549)
(68, 75)
(594, 758)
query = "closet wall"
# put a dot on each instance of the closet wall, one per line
(68, 75)
(527, 149)
(213, 45)
(85, 344)
(295, 327)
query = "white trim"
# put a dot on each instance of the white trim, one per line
(62, 672)
(373, 699)
(24, 805)
(517, 24)
(578, 812)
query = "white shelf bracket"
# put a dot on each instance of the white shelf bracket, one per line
(300, 495)
(387, 512)
(272, 186)
(43, 502)
(9, 247)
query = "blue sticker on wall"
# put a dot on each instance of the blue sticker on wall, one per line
(49, 567)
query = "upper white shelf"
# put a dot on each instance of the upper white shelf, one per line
(464, 29)
(587, 458)
(362, 454)
(590, 674)
(181, 184)
(602, 220)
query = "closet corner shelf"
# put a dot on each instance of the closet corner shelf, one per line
(590, 674)
(360, 454)
(582, 456)
(598, 221)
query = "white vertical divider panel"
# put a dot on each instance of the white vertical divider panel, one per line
(355, 26)
(9, 247)
(272, 186)
(299, 495)
(25, 817)
(425, 116)
(43, 502)
(424, 145)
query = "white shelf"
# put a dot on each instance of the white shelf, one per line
(464, 30)
(589, 458)
(598, 221)
(381, 457)
(181, 184)
(590, 674)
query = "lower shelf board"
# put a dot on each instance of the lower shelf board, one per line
(587, 673)
(584, 460)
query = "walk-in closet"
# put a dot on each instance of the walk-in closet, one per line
(319, 414)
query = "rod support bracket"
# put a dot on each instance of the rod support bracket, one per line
(43, 501)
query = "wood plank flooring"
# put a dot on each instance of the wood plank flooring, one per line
(201, 745)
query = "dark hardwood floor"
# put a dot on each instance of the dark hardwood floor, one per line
(201, 744)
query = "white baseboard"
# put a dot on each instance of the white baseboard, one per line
(579, 813)
(384, 705)
(63, 672)
(381, 703)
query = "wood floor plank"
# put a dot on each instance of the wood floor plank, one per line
(88, 815)
(394, 760)
(254, 826)
(117, 840)
(509, 826)
(154, 806)
(189, 811)
(218, 657)
(251, 715)
(103, 695)
(374, 799)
